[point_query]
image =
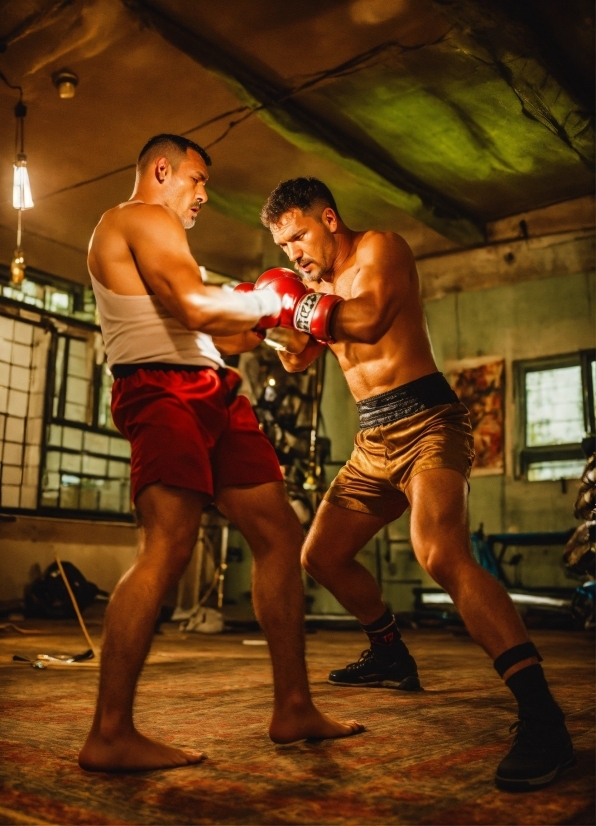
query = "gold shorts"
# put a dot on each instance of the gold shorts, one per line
(385, 459)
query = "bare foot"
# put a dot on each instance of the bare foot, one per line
(132, 752)
(309, 724)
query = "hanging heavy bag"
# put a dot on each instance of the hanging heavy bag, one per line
(47, 597)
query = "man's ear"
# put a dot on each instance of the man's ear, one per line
(161, 168)
(329, 218)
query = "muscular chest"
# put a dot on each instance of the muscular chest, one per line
(341, 284)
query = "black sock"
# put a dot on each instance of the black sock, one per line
(385, 640)
(530, 689)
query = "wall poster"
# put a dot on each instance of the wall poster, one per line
(479, 383)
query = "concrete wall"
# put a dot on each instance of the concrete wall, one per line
(102, 551)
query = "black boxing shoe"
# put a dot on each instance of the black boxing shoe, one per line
(371, 671)
(540, 751)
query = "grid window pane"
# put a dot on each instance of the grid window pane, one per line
(118, 470)
(554, 407)
(75, 412)
(72, 438)
(95, 466)
(11, 475)
(13, 454)
(29, 497)
(19, 378)
(70, 492)
(120, 447)
(15, 429)
(23, 333)
(55, 435)
(9, 496)
(52, 460)
(552, 471)
(21, 355)
(71, 462)
(17, 403)
(96, 443)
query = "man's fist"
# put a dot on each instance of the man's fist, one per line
(314, 313)
(288, 286)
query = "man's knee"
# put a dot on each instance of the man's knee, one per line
(315, 564)
(445, 564)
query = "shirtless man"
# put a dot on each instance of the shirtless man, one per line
(193, 442)
(415, 450)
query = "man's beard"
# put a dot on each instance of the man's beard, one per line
(188, 223)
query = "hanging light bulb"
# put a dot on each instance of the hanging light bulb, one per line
(21, 193)
(21, 188)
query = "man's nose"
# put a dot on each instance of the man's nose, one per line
(202, 196)
(294, 253)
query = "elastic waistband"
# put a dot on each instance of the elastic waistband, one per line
(401, 402)
(123, 371)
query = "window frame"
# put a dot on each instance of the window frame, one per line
(68, 328)
(525, 455)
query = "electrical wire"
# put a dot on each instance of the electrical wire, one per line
(354, 64)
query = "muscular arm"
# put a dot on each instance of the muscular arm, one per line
(385, 267)
(240, 343)
(158, 243)
(297, 362)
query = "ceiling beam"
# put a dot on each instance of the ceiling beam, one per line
(489, 35)
(314, 134)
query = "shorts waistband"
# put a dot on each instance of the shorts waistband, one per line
(406, 400)
(123, 371)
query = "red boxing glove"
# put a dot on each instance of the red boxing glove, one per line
(313, 315)
(244, 287)
(290, 289)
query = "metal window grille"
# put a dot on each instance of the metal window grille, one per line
(60, 453)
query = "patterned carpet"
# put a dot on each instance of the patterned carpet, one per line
(426, 758)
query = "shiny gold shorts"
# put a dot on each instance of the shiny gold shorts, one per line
(385, 458)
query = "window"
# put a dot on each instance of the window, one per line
(556, 399)
(87, 462)
(50, 293)
(23, 355)
(59, 450)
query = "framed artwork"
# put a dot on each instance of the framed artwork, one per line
(479, 383)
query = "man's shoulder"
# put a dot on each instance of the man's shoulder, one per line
(131, 213)
(373, 243)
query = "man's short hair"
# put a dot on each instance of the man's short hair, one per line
(298, 193)
(173, 147)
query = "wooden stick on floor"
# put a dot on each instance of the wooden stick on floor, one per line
(76, 607)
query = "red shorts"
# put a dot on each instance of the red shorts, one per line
(189, 429)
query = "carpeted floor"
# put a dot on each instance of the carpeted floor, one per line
(426, 758)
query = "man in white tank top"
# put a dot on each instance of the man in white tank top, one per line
(193, 442)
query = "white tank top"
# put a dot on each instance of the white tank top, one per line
(138, 328)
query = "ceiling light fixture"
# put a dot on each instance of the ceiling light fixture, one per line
(21, 188)
(21, 192)
(66, 83)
